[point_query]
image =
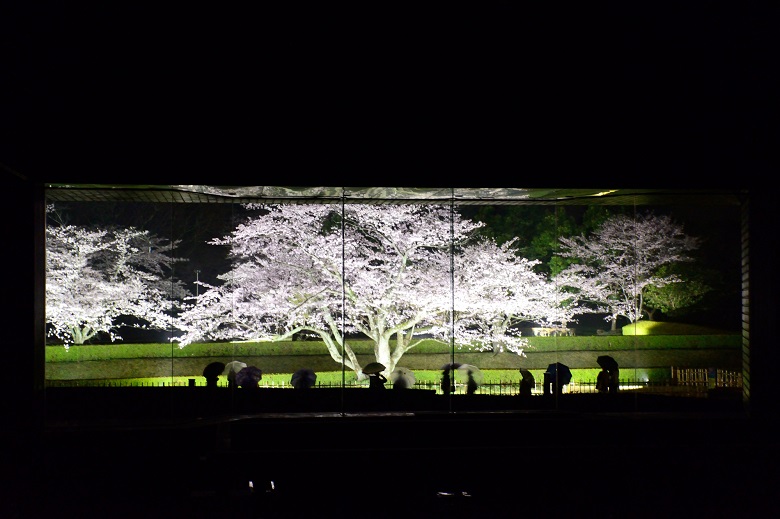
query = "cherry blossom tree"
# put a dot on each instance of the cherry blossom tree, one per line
(618, 262)
(496, 291)
(97, 277)
(382, 272)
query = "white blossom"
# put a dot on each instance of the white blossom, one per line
(383, 272)
(619, 260)
(94, 277)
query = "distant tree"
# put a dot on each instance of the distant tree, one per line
(535, 230)
(383, 272)
(97, 277)
(616, 264)
(545, 244)
(675, 299)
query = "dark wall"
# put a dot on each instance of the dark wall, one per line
(554, 94)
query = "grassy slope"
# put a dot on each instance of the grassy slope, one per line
(643, 335)
(165, 361)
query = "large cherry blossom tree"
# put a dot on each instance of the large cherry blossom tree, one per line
(382, 272)
(496, 291)
(618, 262)
(98, 280)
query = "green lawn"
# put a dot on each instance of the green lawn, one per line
(167, 364)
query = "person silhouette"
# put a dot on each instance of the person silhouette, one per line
(551, 384)
(527, 383)
(446, 382)
(376, 381)
(471, 385)
(614, 380)
(602, 381)
(556, 376)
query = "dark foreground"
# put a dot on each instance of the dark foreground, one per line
(634, 456)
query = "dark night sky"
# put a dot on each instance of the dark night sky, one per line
(312, 93)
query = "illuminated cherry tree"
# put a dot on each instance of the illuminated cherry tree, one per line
(383, 272)
(497, 291)
(617, 263)
(97, 277)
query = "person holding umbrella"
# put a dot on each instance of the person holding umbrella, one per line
(471, 385)
(473, 377)
(375, 378)
(249, 377)
(303, 378)
(527, 383)
(402, 378)
(602, 381)
(212, 372)
(447, 382)
(611, 378)
(556, 376)
(614, 381)
(232, 368)
(376, 381)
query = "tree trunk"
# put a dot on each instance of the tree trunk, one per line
(382, 354)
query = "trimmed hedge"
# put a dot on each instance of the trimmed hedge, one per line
(635, 342)
(86, 352)
(80, 353)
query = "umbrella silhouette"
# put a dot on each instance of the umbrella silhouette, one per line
(560, 372)
(447, 384)
(402, 378)
(373, 367)
(471, 375)
(303, 378)
(466, 371)
(527, 383)
(249, 376)
(607, 362)
(232, 368)
(214, 369)
(212, 372)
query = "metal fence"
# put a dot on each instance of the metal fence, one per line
(688, 381)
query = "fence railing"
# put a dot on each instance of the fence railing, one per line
(682, 381)
(708, 377)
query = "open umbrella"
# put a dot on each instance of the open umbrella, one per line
(528, 382)
(471, 375)
(249, 376)
(402, 378)
(373, 367)
(447, 382)
(560, 372)
(607, 362)
(213, 370)
(303, 378)
(467, 371)
(233, 367)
